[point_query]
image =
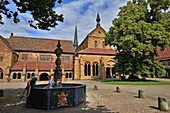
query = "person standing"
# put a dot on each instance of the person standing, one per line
(50, 83)
(30, 85)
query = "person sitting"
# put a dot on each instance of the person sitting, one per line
(30, 85)
(50, 83)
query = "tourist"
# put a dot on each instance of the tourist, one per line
(50, 83)
(30, 85)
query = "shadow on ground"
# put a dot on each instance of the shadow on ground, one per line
(10, 103)
(82, 108)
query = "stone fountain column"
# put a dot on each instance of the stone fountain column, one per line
(58, 71)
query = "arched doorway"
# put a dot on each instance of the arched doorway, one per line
(43, 76)
(1, 73)
(108, 72)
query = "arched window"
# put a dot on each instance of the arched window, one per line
(97, 72)
(14, 76)
(95, 44)
(103, 44)
(66, 75)
(19, 75)
(87, 69)
(70, 75)
(1, 75)
(33, 74)
(28, 75)
(95, 69)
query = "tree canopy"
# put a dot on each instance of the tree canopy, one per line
(43, 15)
(141, 26)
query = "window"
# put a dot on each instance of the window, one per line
(28, 76)
(87, 69)
(46, 57)
(95, 69)
(103, 44)
(65, 58)
(1, 59)
(70, 75)
(66, 75)
(14, 76)
(19, 75)
(25, 57)
(1, 75)
(33, 74)
(95, 43)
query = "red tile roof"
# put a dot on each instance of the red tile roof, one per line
(30, 65)
(18, 65)
(39, 44)
(163, 55)
(6, 43)
(98, 51)
(68, 66)
(42, 66)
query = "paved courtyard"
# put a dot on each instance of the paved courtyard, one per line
(103, 100)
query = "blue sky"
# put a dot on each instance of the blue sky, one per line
(81, 11)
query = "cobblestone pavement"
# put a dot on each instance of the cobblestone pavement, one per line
(103, 100)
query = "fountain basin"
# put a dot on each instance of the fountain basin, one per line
(69, 95)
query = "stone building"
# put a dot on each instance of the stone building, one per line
(93, 59)
(164, 56)
(22, 57)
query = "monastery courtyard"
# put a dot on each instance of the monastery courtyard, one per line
(103, 100)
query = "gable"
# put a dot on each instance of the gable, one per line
(4, 45)
(97, 32)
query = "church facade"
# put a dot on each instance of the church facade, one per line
(93, 59)
(22, 57)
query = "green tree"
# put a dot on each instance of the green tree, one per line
(141, 26)
(43, 15)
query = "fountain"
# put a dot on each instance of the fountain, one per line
(62, 95)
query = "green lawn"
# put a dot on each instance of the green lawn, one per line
(146, 82)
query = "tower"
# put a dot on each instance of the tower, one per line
(75, 39)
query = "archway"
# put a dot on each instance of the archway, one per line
(43, 76)
(108, 72)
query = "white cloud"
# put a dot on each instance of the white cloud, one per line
(82, 11)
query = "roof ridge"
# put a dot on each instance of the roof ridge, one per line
(38, 38)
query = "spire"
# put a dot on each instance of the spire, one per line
(98, 19)
(75, 38)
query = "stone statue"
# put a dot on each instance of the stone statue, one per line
(58, 71)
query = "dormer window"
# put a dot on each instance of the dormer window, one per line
(95, 44)
(25, 57)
